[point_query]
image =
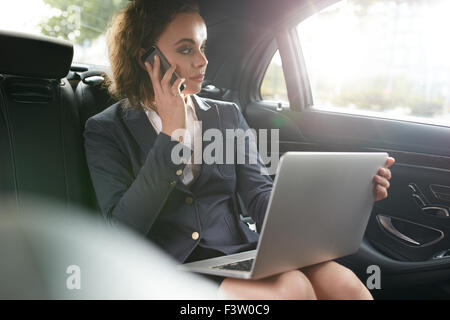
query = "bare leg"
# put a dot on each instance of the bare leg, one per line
(290, 285)
(331, 280)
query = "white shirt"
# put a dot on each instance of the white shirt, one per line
(192, 133)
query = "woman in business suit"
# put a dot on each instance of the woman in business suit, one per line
(187, 208)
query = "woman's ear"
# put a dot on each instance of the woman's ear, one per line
(139, 58)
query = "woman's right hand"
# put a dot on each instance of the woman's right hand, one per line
(170, 104)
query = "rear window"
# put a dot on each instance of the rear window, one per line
(82, 22)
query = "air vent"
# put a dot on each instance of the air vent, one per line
(30, 92)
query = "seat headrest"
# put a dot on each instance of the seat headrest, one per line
(34, 56)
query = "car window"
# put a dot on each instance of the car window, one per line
(387, 58)
(273, 86)
(82, 22)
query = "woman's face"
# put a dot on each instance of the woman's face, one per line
(183, 44)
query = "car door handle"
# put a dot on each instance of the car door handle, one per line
(441, 192)
(418, 195)
(386, 223)
(425, 205)
(436, 211)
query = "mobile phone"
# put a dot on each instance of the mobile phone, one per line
(164, 65)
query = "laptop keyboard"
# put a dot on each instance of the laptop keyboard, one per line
(244, 265)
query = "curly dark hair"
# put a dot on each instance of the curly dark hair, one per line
(138, 25)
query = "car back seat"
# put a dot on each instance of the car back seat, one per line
(40, 134)
(92, 94)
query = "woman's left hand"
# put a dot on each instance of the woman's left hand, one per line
(381, 180)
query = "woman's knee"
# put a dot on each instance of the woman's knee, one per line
(291, 285)
(345, 284)
(295, 285)
(351, 286)
(334, 281)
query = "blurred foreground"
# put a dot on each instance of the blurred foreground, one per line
(50, 252)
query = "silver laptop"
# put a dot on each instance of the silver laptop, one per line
(318, 211)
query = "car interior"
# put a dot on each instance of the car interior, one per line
(46, 98)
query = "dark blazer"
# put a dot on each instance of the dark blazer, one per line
(137, 184)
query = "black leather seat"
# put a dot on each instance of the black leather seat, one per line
(92, 94)
(40, 133)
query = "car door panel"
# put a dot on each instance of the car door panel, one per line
(422, 159)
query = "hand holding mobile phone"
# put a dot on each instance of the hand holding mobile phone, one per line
(170, 106)
(164, 65)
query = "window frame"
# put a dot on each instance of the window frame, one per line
(294, 72)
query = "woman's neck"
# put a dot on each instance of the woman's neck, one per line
(187, 100)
